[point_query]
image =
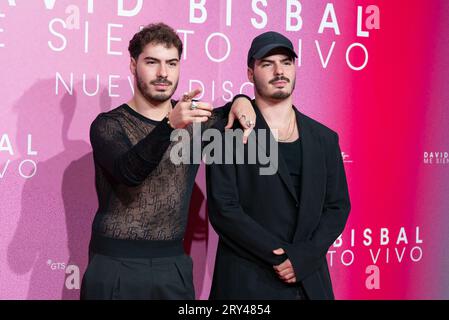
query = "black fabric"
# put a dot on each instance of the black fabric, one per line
(250, 214)
(109, 278)
(142, 194)
(237, 278)
(135, 248)
(267, 41)
(291, 154)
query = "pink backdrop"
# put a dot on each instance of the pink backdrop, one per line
(380, 81)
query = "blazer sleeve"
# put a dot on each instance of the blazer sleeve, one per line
(307, 256)
(219, 118)
(236, 228)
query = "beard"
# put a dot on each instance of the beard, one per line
(157, 97)
(278, 95)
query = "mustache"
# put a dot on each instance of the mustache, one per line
(161, 81)
(278, 79)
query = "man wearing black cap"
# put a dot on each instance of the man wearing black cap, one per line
(275, 230)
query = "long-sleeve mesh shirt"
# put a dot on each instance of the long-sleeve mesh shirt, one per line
(143, 196)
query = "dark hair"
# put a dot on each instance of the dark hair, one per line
(252, 62)
(157, 33)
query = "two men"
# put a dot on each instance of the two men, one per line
(275, 230)
(136, 248)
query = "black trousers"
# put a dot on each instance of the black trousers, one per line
(167, 278)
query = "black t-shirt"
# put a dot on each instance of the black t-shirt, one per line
(291, 153)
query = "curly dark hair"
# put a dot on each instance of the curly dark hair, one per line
(157, 33)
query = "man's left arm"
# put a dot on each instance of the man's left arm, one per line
(307, 256)
(239, 109)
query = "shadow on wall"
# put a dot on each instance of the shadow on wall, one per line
(59, 201)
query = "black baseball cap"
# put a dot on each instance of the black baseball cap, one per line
(267, 41)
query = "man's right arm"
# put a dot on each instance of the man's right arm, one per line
(128, 164)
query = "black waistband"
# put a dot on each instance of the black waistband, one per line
(135, 248)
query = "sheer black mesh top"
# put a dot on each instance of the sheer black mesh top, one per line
(142, 194)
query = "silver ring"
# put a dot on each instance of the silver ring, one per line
(193, 105)
(242, 116)
(250, 123)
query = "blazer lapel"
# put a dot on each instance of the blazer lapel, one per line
(311, 160)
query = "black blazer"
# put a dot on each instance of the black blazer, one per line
(244, 207)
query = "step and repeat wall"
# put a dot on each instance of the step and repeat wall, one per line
(374, 71)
